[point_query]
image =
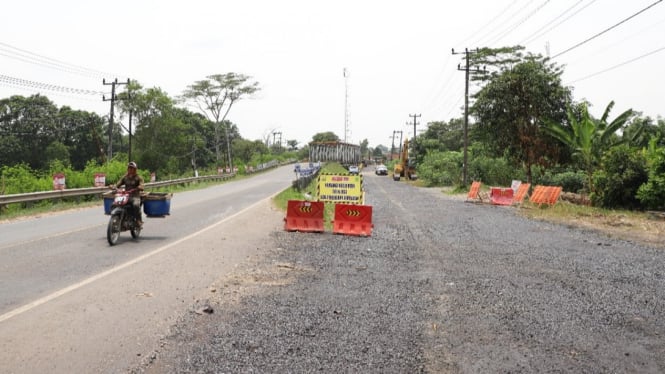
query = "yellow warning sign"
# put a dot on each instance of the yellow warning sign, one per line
(340, 188)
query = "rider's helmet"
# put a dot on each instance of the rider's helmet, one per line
(132, 164)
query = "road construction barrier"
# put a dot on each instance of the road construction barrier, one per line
(351, 219)
(545, 195)
(305, 216)
(521, 193)
(501, 195)
(474, 192)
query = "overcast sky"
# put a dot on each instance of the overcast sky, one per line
(397, 54)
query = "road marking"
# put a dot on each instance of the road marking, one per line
(73, 287)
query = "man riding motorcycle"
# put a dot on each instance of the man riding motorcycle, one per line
(132, 180)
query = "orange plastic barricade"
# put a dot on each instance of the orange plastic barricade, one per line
(473, 192)
(546, 195)
(554, 195)
(522, 190)
(501, 195)
(305, 216)
(351, 219)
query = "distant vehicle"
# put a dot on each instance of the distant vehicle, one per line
(353, 169)
(405, 167)
(381, 170)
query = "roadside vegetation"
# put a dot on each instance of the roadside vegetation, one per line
(524, 124)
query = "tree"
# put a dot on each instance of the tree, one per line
(378, 152)
(164, 141)
(442, 136)
(27, 126)
(513, 106)
(327, 136)
(244, 150)
(215, 96)
(364, 147)
(292, 144)
(589, 139)
(80, 133)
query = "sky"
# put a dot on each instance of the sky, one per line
(397, 55)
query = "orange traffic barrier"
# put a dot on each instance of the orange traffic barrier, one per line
(473, 192)
(353, 220)
(521, 193)
(501, 195)
(545, 195)
(306, 216)
(554, 195)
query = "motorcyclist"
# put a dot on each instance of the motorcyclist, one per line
(132, 180)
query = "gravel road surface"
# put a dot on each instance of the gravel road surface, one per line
(441, 286)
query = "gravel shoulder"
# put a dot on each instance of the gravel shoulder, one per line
(441, 286)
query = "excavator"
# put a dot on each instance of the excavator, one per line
(404, 166)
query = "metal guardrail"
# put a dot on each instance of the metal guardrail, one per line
(76, 192)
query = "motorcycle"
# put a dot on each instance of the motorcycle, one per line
(122, 217)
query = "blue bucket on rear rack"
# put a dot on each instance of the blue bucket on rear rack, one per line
(157, 204)
(108, 201)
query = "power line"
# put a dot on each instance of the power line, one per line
(608, 29)
(518, 23)
(544, 29)
(495, 18)
(37, 59)
(618, 65)
(501, 25)
(45, 86)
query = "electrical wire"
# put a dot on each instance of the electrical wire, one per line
(518, 23)
(495, 18)
(46, 86)
(544, 29)
(44, 61)
(617, 65)
(607, 29)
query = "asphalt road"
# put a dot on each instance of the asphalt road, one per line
(441, 286)
(69, 302)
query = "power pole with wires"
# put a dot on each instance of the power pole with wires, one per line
(112, 100)
(414, 116)
(466, 69)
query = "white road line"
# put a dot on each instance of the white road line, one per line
(73, 287)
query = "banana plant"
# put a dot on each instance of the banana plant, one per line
(589, 139)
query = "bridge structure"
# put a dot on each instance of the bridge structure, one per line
(344, 153)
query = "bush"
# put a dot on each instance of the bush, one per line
(493, 171)
(441, 169)
(622, 173)
(570, 181)
(652, 193)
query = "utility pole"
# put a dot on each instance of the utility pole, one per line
(112, 100)
(400, 142)
(392, 147)
(346, 105)
(274, 135)
(466, 69)
(414, 116)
